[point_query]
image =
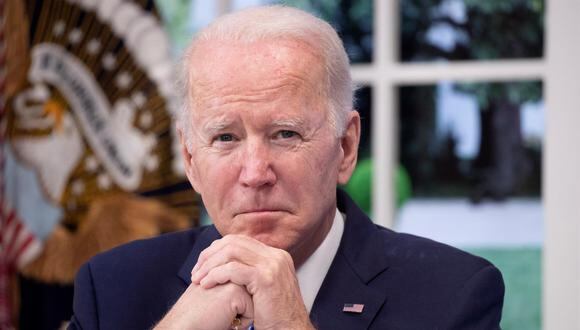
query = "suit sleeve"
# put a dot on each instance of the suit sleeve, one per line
(478, 304)
(85, 314)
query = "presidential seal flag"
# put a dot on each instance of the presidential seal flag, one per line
(90, 153)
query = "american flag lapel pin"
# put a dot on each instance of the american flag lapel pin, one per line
(353, 308)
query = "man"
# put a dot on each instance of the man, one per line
(267, 133)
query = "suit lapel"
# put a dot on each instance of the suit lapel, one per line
(344, 288)
(349, 279)
(206, 237)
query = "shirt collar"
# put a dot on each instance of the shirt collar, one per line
(313, 271)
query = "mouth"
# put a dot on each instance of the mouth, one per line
(260, 212)
(260, 223)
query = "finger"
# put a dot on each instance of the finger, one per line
(233, 272)
(241, 306)
(228, 253)
(214, 247)
(217, 245)
(206, 253)
(230, 248)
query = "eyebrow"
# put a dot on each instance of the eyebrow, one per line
(218, 125)
(294, 122)
(215, 126)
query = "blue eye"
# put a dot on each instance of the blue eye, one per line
(225, 138)
(285, 134)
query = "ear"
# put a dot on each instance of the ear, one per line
(349, 146)
(190, 170)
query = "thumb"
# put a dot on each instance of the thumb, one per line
(243, 309)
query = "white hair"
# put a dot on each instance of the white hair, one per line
(271, 23)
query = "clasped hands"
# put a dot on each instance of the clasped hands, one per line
(240, 276)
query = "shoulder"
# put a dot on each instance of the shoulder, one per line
(133, 285)
(165, 250)
(402, 248)
(434, 285)
(427, 284)
(368, 244)
(425, 258)
(135, 262)
(440, 282)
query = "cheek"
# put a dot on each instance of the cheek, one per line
(215, 175)
(323, 164)
(312, 172)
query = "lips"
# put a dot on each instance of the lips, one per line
(259, 211)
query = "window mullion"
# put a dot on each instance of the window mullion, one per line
(384, 110)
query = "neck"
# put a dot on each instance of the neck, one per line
(309, 244)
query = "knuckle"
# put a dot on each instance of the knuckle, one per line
(231, 266)
(284, 259)
(202, 256)
(238, 301)
(213, 275)
(228, 251)
(268, 277)
(216, 242)
(233, 290)
(231, 238)
(285, 256)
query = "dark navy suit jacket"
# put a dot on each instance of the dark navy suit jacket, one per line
(404, 281)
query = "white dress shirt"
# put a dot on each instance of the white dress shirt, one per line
(312, 272)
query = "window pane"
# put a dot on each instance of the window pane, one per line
(471, 29)
(352, 19)
(182, 19)
(473, 154)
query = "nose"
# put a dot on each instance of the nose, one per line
(257, 168)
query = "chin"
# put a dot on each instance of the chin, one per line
(271, 240)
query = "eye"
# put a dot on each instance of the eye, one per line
(225, 137)
(286, 134)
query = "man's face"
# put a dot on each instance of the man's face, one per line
(264, 157)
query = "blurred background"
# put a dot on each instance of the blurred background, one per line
(455, 98)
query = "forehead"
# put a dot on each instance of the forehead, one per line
(223, 65)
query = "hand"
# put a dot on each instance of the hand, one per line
(212, 309)
(267, 273)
